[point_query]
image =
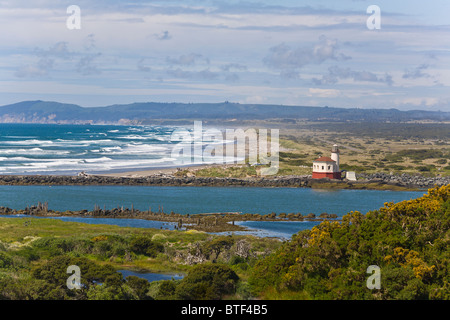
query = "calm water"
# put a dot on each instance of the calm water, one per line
(194, 200)
(151, 276)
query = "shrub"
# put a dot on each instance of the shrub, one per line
(207, 282)
(145, 246)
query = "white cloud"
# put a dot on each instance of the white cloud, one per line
(323, 93)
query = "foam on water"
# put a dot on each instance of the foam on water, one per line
(69, 149)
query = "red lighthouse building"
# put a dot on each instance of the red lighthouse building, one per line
(326, 167)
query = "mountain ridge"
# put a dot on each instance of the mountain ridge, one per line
(38, 111)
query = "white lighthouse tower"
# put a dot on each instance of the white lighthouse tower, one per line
(335, 156)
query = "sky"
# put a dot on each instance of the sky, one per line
(288, 52)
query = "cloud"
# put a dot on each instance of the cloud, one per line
(46, 61)
(205, 74)
(323, 93)
(187, 60)
(58, 50)
(86, 65)
(290, 60)
(417, 72)
(165, 35)
(142, 67)
(31, 71)
(49, 58)
(336, 73)
(232, 77)
(235, 66)
(89, 42)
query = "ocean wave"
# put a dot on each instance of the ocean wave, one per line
(29, 142)
(96, 149)
(32, 151)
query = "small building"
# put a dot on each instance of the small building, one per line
(326, 167)
(350, 176)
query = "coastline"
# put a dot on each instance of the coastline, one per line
(143, 173)
(186, 176)
(213, 222)
(206, 222)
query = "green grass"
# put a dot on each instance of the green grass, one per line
(49, 237)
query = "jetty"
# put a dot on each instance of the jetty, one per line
(375, 181)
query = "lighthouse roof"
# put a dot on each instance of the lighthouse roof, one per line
(324, 159)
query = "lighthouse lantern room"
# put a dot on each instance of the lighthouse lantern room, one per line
(326, 167)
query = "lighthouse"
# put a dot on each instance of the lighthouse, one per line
(335, 155)
(326, 167)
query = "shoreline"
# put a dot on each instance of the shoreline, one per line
(186, 176)
(206, 222)
(165, 180)
(143, 173)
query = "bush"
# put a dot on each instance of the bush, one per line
(5, 260)
(426, 168)
(145, 246)
(207, 282)
(139, 287)
(166, 290)
(407, 240)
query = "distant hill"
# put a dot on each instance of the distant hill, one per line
(144, 113)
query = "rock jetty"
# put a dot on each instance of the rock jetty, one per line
(365, 181)
(404, 179)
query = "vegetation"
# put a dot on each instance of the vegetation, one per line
(413, 148)
(35, 254)
(408, 241)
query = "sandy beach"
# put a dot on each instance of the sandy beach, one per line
(161, 171)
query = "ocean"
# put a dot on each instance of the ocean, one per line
(70, 149)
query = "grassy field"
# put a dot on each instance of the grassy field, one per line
(413, 148)
(396, 148)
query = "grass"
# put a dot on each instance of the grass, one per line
(411, 148)
(383, 147)
(18, 233)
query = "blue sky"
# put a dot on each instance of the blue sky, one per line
(313, 53)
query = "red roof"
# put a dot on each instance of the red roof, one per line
(324, 159)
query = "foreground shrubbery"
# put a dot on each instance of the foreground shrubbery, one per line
(204, 282)
(409, 241)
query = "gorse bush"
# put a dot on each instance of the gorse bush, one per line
(409, 241)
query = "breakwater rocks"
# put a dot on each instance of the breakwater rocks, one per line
(404, 179)
(365, 181)
(157, 180)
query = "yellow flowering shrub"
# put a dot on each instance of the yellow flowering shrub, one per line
(406, 257)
